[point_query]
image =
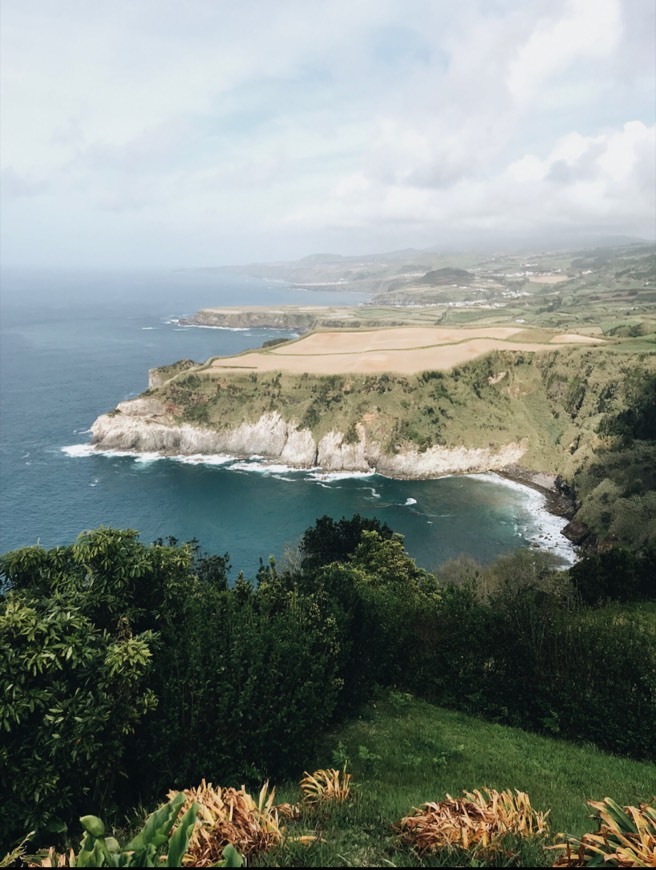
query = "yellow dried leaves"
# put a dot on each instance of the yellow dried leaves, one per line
(230, 816)
(325, 786)
(477, 821)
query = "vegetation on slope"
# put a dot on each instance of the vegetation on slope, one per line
(403, 751)
(127, 669)
(586, 415)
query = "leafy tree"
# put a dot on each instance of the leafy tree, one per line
(70, 693)
(335, 540)
(616, 574)
(638, 420)
(77, 638)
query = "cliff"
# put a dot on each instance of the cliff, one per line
(301, 319)
(143, 425)
(553, 413)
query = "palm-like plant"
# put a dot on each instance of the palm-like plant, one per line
(325, 787)
(625, 837)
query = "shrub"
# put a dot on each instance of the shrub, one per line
(335, 540)
(71, 694)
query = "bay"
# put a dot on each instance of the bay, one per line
(72, 345)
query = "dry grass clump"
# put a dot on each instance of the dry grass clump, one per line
(288, 811)
(477, 821)
(325, 787)
(228, 816)
(625, 837)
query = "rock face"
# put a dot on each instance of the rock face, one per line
(143, 425)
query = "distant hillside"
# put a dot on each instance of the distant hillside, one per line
(444, 277)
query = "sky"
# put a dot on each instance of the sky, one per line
(153, 133)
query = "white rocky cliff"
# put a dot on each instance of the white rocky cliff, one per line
(142, 425)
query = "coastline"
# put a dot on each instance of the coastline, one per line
(559, 497)
(553, 537)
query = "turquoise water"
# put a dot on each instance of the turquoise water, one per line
(73, 345)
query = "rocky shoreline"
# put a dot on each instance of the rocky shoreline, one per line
(560, 500)
(142, 425)
(298, 319)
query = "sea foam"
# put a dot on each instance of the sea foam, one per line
(328, 476)
(546, 530)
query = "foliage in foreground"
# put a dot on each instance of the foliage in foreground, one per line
(126, 669)
(481, 827)
(162, 842)
(625, 837)
(403, 750)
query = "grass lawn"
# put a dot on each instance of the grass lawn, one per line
(403, 752)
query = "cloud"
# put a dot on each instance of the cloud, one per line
(254, 126)
(586, 29)
(14, 185)
(604, 180)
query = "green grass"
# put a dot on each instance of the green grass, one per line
(403, 752)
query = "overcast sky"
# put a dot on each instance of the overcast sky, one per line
(203, 132)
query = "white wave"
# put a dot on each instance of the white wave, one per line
(372, 490)
(262, 467)
(79, 450)
(205, 459)
(148, 327)
(546, 529)
(207, 326)
(547, 534)
(83, 450)
(340, 475)
(147, 458)
(410, 501)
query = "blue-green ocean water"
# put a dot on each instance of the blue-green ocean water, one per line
(73, 345)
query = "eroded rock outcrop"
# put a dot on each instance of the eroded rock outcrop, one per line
(143, 425)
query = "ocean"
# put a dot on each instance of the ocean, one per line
(72, 345)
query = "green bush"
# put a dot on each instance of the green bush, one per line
(331, 540)
(527, 653)
(247, 679)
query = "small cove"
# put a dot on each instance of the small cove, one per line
(73, 346)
